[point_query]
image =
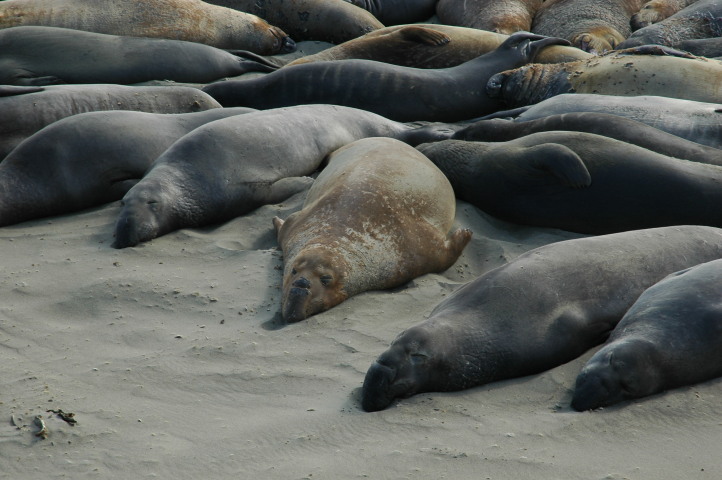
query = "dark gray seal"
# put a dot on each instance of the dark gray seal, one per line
(399, 232)
(231, 166)
(670, 337)
(398, 93)
(612, 126)
(699, 122)
(539, 311)
(701, 19)
(51, 55)
(89, 159)
(25, 110)
(580, 182)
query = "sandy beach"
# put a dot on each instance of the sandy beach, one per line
(174, 359)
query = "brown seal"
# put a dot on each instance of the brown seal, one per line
(500, 16)
(191, 20)
(376, 217)
(592, 25)
(655, 11)
(334, 21)
(431, 46)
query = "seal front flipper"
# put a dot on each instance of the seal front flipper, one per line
(12, 90)
(285, 187)
(558, 160)
(31, 81)
(424, 35)
(655, 50)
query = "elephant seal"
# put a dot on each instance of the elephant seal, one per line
(670, 337)
(655, 11)
(695, 121)
(398, 12)
(593, 25)
(25, 110)
(612, 126)
(500, 16)
(398, 228)
(580, 182)
(51, 55)
(333, 21)
(539, 311)
(430, 46)
(617, 73)
(704, 47)
(398, 93)
(89, 159)
(231, 166)
(701, 19)
(190, 20)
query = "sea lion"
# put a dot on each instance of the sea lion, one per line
(398, 228)
(89, 159)
(701, 19)
(593, 25)
(334, 21)
(695, 121)
(190, 20)
(25, 110)
(580, 182)
(500, 16)
(616, 73)
(231, 166)
(655, 11)
(431, 46)
(397, 12)
(50, 55)
(670, 337)
(612, 126)
(398, 93)
(541, 310)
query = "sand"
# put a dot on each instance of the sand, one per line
(175, 362)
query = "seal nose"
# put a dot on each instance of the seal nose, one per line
(494, 85)
(288, 45)
(375, 391)
(301, 282)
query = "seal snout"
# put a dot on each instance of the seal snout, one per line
(295, 305)
(288, 45)
(375, 395)
(495, 84)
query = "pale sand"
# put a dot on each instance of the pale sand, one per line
(173, 359)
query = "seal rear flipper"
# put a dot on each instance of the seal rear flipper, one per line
(12, 90)
(561, 162)
(425, 35)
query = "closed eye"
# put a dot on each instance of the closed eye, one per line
(326, 280)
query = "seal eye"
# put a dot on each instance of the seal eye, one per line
(293, 271)
(326, 280)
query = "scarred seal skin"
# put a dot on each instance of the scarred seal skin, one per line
(593, 25)
(190, 20)
(377, 216)
(539, 311)
(25, 110)
(234, 165)
(617, 73)
(399, 93)
(670, 337)
(500, 16)
(431, 46)
(89, 159)
(35, 55)
(580, 182)
(701, 19)
(333, 21)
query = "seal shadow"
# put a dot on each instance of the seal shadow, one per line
(274, 323)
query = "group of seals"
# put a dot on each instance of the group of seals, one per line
(190, 20)
(50, 55)
(377, 216)
(543, 309)
(89, 159)
(580, 182)
(670, 337)
(25, 110)
(231, 166)
(398, 93)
